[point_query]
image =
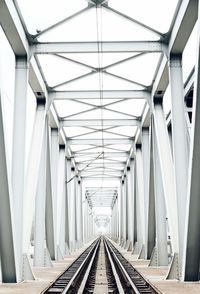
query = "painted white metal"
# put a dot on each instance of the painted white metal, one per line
(54, 173)
(179, 140)
(50, 234)
(70, 17)
(67, 211)
(18, 152)
(97, 123)
(86, 221)
(120, 94)
(182, 28)
(90, 47)
(99, 141)
(151, 223)
(191, 256)
(32, 174)
(39, 88)
(160, 210)
(7, 235)
(61, 198)
(181, 31)
(69, 197)
(15, 34)
(79, 214)
(120, 213)
(167, 172)
(126, 17)
(130, 206)
(133, 193)
(125, 224)
(140, 197)
(75, 211)
(106, 154)
(40, 209)
(146, 173)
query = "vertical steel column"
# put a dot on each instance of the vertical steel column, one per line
(90, 222)
(113, 222)
(124, 232)
(160, 209)
(50, 235)
(79, 214)
(191, 259)
(75, 183)
(115, 219)
(18, 151)
(146, 170)
(69, 198)
(7, 250)
(126, 209)
(67, 217)
(133, 193)
(121, 213)
(61, 202)
(54, 173)
(179, 140)
(130, 208)
(140, 197)
(86, 221)
(167, 172)
(151, 226)
(117, 201)
(133, 188)
(40, 205)
(32, 173)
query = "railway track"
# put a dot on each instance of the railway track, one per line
(118, 275)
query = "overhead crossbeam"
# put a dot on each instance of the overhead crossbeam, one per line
(107, 94)
(108, 164)
(102, 195)
(92, 47)
(106, 154)
(93, 189)
(97, 176)
(106, 194)
(98, 122)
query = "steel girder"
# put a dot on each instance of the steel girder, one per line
(91, 47)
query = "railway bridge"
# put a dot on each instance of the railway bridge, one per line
(99, 146)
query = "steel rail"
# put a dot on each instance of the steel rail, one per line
(114, 271)
(80, 277)
(85, 279)
(71, 277)
(135, 282)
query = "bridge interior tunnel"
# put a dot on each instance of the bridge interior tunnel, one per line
(99, 132)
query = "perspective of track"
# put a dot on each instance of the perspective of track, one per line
(101, 268)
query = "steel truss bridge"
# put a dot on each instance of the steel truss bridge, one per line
(118, 134)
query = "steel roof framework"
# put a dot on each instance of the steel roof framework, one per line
(102, 167)
(29, 48)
